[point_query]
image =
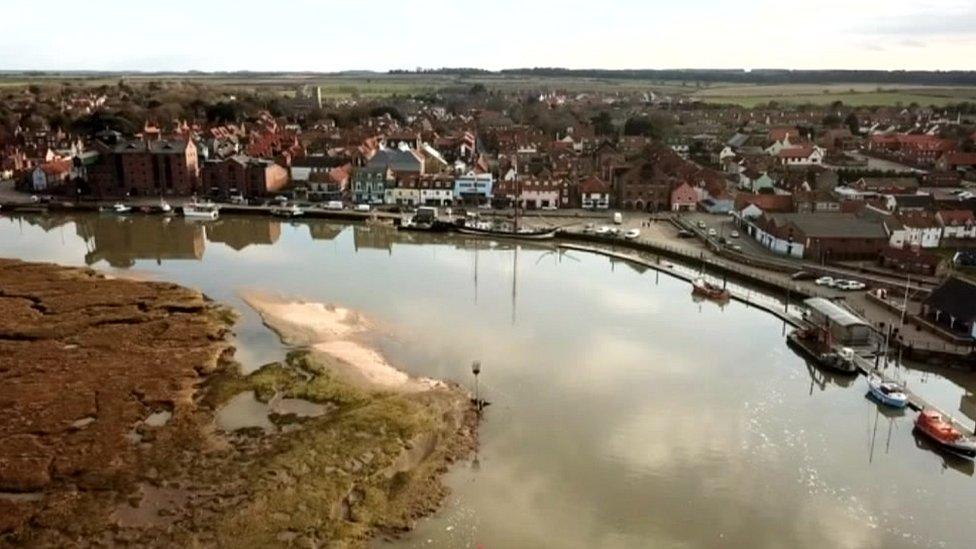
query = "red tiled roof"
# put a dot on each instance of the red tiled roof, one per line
(803, 151)
(955, 218)
(594, 185)
(771, 203)
(56, 167)
(961, 159)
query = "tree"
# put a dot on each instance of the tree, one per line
(382, 110)
(224, 112)
(603, 124)
(655, 126)
(477, 89)
(831, 121)
(853, 123)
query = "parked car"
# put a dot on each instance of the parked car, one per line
(734, 234)
(589, 228)
(736, 247)
(615, 231)
(632, 234)
(701, 225)
(803, 275)
(333, 205)
(362, 207)
(849, 285)
(825, 281)
(712, 232)
(602, 230)
(685, 234)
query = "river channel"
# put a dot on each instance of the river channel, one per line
(624, 413)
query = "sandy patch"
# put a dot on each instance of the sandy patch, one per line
(363, 366)
(304, 322)
(333, 333)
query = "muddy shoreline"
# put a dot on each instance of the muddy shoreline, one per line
(114, 392)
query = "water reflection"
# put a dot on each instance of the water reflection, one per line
(948, 459)
(121, 241)
(239, 232)
(624, 414)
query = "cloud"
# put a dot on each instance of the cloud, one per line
(909, 43)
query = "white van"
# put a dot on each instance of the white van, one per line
(618, 218)
(333, 205)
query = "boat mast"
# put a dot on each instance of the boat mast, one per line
(518, 192)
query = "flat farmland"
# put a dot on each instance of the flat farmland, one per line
(822, 94)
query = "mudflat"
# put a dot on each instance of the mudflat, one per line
(127, 422)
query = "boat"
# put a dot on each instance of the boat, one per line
(933, 424)
(806, 343)
(121, 208)
(198, 210)
(165, 208)
(887, 392)
(528, 234)
(702, 287)
(288, 211)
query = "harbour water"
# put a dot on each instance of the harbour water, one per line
(624, 413)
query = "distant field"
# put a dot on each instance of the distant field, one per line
(338, 86)
(822, 94)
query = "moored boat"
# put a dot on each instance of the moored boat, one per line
(165, 208)
(803, 340)
(198, 210)
(121, 208)
(288, 211)
(528, 234)
(933, 424)
(887, 392)
(704, 288)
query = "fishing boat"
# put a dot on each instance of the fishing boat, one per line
(704, 288)
(465, 226)
(887, 392)
(288, 211)
(528, 234)
(805, 341)
(932, 424)
(198, 210)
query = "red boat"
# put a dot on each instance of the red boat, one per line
(701, 287)
(933, 425)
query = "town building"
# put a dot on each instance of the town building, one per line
(473, 189)
(953, 305)
(594, 194)
(820, 237)
(369, 184)
(242, 175)
(146, 168)
(957, 224)
(684, 198)
(50, 177)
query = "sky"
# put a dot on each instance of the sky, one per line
(326, 35)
